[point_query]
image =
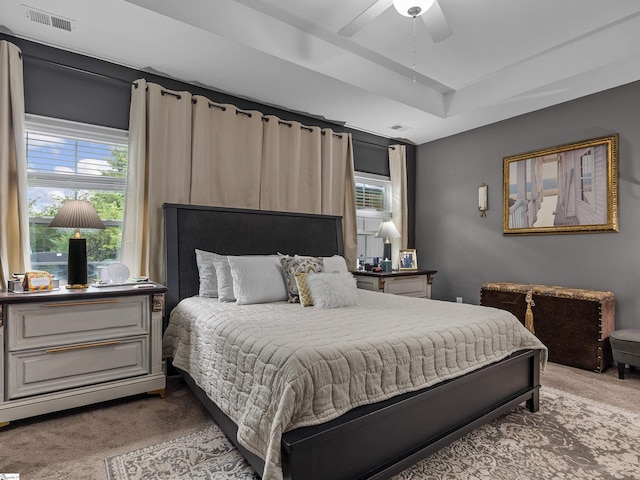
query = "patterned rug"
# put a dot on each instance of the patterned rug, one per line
(569, 438)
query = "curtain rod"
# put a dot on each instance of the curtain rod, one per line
(264, 118)
(75, 69)
(374, 144)
(163, 91)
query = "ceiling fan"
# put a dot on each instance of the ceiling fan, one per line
(428, 10)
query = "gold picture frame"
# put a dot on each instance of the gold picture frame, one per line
(578, 181)
(408, 260)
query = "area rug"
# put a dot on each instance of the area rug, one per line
(569, 438)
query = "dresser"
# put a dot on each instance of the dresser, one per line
(67, 348)
(411, 283)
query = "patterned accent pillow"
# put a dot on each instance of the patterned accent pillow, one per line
(293, 265)
(303, 289)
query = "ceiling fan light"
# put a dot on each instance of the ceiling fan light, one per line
(412, 8)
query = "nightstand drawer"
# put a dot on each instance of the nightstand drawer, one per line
(46, 324)
(408, 286)
(367, 283)
(47, 370)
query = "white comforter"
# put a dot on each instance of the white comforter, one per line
(279, 366)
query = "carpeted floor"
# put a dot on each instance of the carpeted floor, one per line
(571, 437)
(74, 444)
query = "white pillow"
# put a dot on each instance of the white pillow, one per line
(334, 264)
(331, 290)
(207, 272)
(225, 280)
(257, 279)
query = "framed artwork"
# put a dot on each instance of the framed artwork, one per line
(408, 259)
(570, 188)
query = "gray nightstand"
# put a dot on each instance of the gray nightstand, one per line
(67, 348)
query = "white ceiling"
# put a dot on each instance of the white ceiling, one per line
(505, 57)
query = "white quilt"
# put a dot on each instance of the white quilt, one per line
(278, 366)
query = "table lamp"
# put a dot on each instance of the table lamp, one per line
(77, 214)
(387, 231)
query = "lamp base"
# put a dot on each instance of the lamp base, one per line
(387, 251)
(77, 263)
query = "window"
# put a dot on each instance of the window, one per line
(69, 160)
(373, 205)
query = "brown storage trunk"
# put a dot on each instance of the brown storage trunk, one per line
(574, 324)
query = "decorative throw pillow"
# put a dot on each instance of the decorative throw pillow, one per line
(225, 280)
(306, 300)
(207, 272)
(336, 263)
(257, 279)
(293, 265)
(331, 290)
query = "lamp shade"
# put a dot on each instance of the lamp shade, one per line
(77, 214)
(412, 8)
(387, 231)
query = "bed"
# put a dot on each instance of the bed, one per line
(375, 439)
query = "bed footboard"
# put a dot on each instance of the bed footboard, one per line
(379, 440)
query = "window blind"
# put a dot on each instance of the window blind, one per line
(74, 162)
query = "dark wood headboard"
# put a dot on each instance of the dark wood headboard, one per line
(232, 231)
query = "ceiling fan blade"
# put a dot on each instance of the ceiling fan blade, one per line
(372, 12)
(436, 23)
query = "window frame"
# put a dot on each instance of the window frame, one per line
(51, 126)
(369, 246)
(379, 181)
(66, 129)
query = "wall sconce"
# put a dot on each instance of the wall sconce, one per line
(483, 204)
(77, 214)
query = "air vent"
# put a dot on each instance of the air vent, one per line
(51, 20)
(399, 128)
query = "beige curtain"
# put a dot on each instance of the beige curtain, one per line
(226, 155)
(159, 171)
(398, 176)
(339, 190)
(14, 210)
(310, 170)
(185, 149)
(291, 167)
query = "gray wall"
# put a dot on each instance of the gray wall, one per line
(468, 250)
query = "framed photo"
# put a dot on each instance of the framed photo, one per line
(408, 259)
(570, 188)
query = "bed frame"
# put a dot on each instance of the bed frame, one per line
(370, 442)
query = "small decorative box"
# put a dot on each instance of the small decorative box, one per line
(35, 281)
